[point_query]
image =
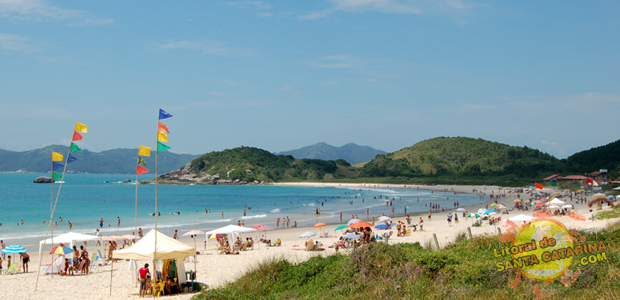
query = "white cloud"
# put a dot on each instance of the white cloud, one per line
(41, 10)
(260, 4)
(548, 143)
(216, 48)
(358, 6)
(289, 89)
(16, 43)
(336, 62)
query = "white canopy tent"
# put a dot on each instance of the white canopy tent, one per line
(231, 230)
(556, 201)
(69, 238)
(167, 248)
(522, 218)
(144, 249)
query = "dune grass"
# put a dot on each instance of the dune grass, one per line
(463, 270)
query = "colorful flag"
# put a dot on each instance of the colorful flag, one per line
(71, 158)
(57, 165)
(79, 127)
(56, 156)
(589, 180)
(553, 183)
(538, 186)
(163, 114)
(141, 161)
(161, 127)
(162, 137)
(77, 136)
(74, 148)
(141, 170)
(56, 176)
(161, 147)
(144, 151)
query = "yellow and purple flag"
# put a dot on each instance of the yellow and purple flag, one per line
(145, 151)
(79, 127)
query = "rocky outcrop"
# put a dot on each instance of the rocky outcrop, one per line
(185, 176)
(126, 181)
(43, 179)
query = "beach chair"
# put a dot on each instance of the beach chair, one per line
(11, 269)
(100, 255)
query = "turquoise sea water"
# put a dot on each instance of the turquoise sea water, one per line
(84, 199)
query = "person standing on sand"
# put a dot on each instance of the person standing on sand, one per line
(3, 246)
(340, 217)
(429, 214)
(278, 223)
(25, 259)
(143, 273)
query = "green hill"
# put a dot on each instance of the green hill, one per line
(462, 157)
(603, 157)
(249, 164)
(115, 161)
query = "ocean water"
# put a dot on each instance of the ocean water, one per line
(85, 198)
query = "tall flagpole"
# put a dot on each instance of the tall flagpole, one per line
(51, 212)
(64, 170)
(156, 212)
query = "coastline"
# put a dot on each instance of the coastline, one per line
(217, 270)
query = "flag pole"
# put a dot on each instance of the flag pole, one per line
(135, 229)
(51, 210)
(156, 212)
(52, 217)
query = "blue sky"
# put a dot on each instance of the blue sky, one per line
(280, 75)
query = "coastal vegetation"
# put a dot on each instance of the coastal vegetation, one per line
(249, 164)
(462, 270)
(442, 160)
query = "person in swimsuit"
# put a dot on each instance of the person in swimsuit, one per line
(25, 259)
(101, 223)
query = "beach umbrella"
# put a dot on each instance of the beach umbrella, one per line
(384, 218)
(129, 237)
(382, 227)
(61, 250)
(599, 195)
(361, 224)
(320, 224)
(351, 236)
(489, 212)
(217, 236)
(14, 249)
(481, 211)
(472, 215)
(353, 221)
(341, 227)
(262, 227)
(307, 234)
(501, 206)
(493, 204)
(518, 201)
(522, 217)
(461, 209)
(112, 238)
(193, 234)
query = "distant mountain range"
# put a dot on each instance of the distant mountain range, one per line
(352, 153)
(115, 161)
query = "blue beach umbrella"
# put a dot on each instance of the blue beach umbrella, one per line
(341, 227)
(351, 236)
(382, 226)
(489, 212)
(15, 249)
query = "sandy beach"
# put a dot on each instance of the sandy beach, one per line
(216, 270)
